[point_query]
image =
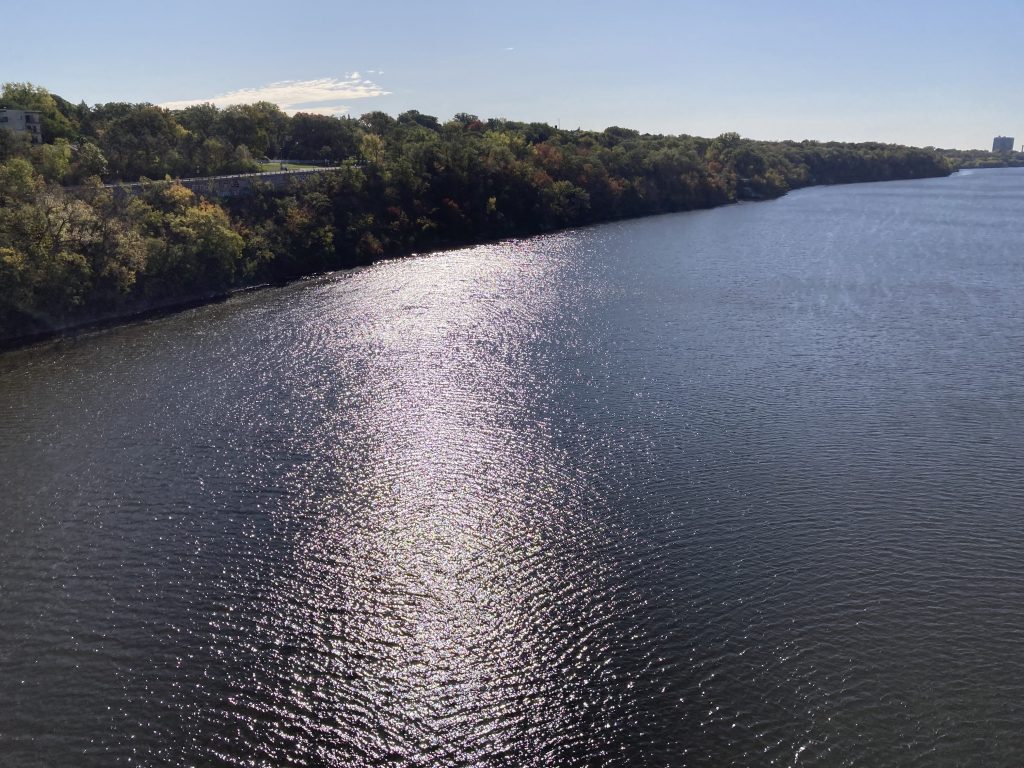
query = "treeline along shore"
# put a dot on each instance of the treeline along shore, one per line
(74, 251)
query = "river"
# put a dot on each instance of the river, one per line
(732, 487)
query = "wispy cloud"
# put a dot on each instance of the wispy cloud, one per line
(324, 96)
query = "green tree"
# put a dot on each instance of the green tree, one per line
(88, 163)
(262, 127)
(309, 134)
(143, 142)
(53, 161)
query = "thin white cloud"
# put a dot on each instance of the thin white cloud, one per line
(323, 96)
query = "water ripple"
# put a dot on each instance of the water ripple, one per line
(732, 488)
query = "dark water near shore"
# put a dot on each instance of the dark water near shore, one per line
(736, 487)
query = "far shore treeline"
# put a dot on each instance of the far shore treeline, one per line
(73, 250)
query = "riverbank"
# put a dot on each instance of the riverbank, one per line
(72, 257)
(124, 318)
(64, 328)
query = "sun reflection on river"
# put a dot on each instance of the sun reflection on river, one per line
(425, 602)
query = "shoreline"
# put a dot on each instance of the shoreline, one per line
(170, 307)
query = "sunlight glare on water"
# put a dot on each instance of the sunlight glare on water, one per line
(436, 522)
(737, 487)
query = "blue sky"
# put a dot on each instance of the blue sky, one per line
(935, 73)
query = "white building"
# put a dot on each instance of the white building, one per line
(23, 121)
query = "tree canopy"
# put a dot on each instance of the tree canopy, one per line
(72, 249)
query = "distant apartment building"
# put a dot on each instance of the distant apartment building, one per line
(1002, 144)
(22, 121)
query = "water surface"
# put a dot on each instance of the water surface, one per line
(735, 487)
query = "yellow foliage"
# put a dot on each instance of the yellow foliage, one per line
(12, 260)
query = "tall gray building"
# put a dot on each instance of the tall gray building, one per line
(1002, 144)
(22, 121)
